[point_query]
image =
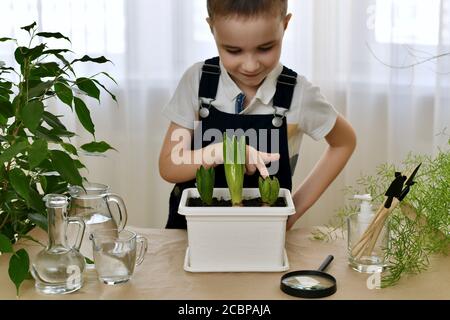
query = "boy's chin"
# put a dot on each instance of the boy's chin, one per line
(252, 82)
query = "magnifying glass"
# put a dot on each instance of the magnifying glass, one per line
(309, 283)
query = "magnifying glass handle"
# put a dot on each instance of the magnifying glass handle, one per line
(325, 264)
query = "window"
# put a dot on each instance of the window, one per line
(94, 26)
(407, 21)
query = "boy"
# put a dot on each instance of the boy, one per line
(246, 88)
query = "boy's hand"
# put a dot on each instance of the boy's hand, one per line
(257, 160)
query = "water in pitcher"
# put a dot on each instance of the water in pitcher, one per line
(96, 221)
(93, 203)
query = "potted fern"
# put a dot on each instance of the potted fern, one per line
(36, 153)
(235, 228)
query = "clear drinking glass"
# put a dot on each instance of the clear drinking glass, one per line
(59, 267)
(116, 254)
(368, 262)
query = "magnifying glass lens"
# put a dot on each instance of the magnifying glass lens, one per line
(308, 282)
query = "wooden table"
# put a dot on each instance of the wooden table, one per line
(162, 277)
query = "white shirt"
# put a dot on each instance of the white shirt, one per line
(310, 113)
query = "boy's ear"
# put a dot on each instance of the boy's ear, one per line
(286, 20)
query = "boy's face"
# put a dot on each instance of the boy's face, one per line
(249, 48)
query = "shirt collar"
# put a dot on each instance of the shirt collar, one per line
(265, 92)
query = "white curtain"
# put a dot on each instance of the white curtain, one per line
(357, 51)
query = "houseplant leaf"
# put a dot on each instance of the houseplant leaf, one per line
(19, 265)
(89, 87)
(20, 183)
(94, 146)
(64, 93)
(234, 166)
(84, 115)
(5, 244)
(56, 35)
(32, 113)
(37, 152)
(66, 167)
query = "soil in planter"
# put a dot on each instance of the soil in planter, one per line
(253, 202)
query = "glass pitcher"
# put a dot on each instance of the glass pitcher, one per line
(93, 203)
(59, 267)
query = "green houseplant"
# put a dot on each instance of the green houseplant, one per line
(269, 189)
(36, 155)
(234, 166)
(205, 179)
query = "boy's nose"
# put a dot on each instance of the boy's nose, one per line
(250, 65)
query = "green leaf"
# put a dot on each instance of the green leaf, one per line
(104, 88)
(66, 63)
(94, 146)
(6, 84)
(6, 109)
(56, 35)
(43, 182)
(37, 152)
(86, 58)
(84, 115)
(106, 74)
(5, 244)
(79, 165)
(65, 165)
(20, 182)
(29, 27)
(32, 113)
(36, 201)
(39, 220)
(46, 134)
(42, 70)
(64, 93)
(39, 89)
(12, 151)
(6, 39)
(53, 121)
(70, 148)
(19, 265)
(3, 120)
(22, 53)
(56, 51)
(88, 261)
(88, 86)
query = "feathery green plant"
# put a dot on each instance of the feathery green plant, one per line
(419, 226)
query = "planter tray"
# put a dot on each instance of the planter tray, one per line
(189, 268)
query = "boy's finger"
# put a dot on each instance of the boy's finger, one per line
(250, 169)
(269, 157)
(263, 170)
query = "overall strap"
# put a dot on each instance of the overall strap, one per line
(209, 80)
(285, 88)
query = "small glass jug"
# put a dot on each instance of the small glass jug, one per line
(92, 203)
(59, 268)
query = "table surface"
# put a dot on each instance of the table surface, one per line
(161, 276)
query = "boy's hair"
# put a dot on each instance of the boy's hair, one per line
(246, 8)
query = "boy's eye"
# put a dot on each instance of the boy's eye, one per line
(233, 51)
(266, 48)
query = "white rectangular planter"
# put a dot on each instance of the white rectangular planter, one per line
(236, 239)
